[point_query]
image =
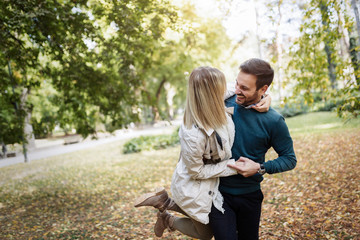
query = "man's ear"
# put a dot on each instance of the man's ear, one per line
(263, 90)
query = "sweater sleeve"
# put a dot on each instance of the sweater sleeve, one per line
(192, 150)
(283, 145)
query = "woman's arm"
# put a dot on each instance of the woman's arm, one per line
(264, 104)
(192, 150)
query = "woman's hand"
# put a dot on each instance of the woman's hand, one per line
(245, 166)
(264, 104)
(237, 166)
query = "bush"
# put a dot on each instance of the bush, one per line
(298, 105)
(145, 143)
(292, 109)
(44, 127)
(325, 106)
(320, 103)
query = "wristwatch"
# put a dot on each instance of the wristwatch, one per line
(262, 170)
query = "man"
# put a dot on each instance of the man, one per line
(255, 133)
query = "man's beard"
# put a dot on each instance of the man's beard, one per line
(248, 100)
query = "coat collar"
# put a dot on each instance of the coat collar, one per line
(209, 131)
(230, 110)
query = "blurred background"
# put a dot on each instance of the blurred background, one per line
(92, 66)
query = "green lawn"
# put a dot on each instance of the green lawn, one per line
(320, 122)
(89, 194)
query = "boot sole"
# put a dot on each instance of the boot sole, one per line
(158, 191)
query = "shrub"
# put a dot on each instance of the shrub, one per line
(325, 106)
(44, 127)
(292, 109)
(146, 143)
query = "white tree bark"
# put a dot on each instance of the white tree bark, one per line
(258, 39)
(28, 129)
(279, 49)
(170, 93)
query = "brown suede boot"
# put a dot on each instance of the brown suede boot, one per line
(158, 199)
(164, 220)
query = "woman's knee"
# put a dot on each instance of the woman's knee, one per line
(204, 231)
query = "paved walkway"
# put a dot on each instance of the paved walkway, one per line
(59, 148)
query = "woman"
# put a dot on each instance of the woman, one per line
(206, 136)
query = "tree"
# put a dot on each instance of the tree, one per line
(11, 116)
(355, 7)
(95, 73)
(45, 115)
(193, 43)
(29, 30)
(316, 62)
(277, 47)
(329, 43)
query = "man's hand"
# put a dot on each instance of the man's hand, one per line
(245, 166)
(263, 105)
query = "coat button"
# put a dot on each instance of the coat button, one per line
(210, 192)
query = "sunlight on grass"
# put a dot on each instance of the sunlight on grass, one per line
(319, 122)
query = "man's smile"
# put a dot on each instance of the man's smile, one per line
(240, 97)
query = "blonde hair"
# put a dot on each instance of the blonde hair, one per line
(205, 99)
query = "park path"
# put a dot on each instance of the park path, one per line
(48, 149)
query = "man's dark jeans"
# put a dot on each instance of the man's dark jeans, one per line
(241, 218)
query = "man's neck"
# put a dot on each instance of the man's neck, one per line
(249, 104)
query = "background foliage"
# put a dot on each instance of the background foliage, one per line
(89, 66)
(147, 143)
(321, 66)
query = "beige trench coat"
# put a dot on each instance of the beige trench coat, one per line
(194, 184)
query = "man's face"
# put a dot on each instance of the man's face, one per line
(245, 89)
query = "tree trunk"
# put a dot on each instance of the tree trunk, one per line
(279, 50)
(148, 112)
(357, 19)
(26, 159)
(170, 93)
(354, 59)
(28, 129)
(345, 38)
(157, 101)
(348, 41)
(3, 149)
(331, 65)
(257, 30)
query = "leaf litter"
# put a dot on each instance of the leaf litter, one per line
(90, 194)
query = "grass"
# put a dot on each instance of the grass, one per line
(320, 122)
(89, 194)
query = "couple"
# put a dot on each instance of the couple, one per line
(216, 183)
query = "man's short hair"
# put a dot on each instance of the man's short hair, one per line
(261, 69)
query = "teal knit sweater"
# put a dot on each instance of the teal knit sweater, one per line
(255, 133)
